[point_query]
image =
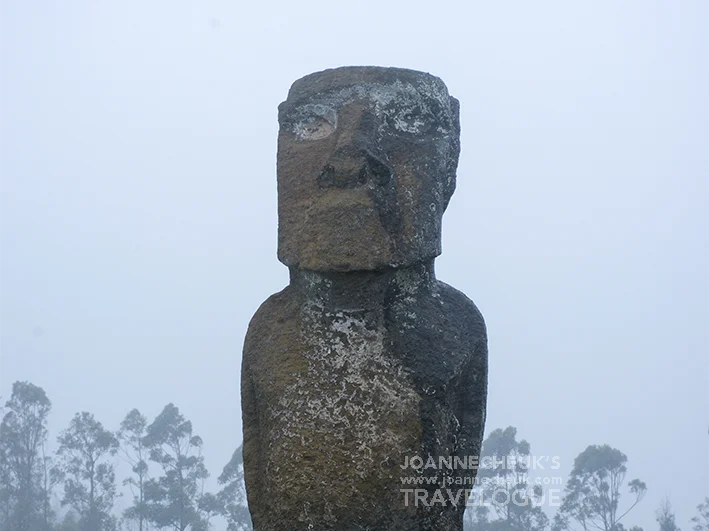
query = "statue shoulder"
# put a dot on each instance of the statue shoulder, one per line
(271, 320)
(460, 311)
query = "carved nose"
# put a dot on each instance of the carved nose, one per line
(343, 171)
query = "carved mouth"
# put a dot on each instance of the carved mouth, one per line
(334, 200)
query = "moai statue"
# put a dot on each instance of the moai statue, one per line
(366, 372)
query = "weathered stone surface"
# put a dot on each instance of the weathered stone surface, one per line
(365, 360)
(366, 166)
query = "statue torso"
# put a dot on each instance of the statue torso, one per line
(367, 385)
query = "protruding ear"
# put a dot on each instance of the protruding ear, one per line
(453, 153)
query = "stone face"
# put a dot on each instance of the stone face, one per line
(366, 166)
(365, 362)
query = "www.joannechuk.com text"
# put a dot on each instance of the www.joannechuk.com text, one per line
(447, 481)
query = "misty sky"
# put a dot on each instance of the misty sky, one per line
(138, 207)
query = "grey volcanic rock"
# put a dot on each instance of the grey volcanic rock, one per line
(365, 363)
(366, 166)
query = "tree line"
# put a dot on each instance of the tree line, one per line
(166, 481)
(507, 496)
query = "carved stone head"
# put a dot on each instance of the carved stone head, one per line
(367, 158)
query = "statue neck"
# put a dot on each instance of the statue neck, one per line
(363, 289)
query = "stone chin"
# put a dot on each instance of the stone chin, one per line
(344, 230)
(352, 238)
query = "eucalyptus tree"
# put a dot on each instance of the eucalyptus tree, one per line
(23, 433)
(176, 498)
(593, 493)
(85, 449)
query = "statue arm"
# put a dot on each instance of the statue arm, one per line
(252, 431)
(475, 400)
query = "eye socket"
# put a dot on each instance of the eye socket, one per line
(417, 117)
(315, 129)
(314, 121)
(411, 121)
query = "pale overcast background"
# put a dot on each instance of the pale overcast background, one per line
(138, 207)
